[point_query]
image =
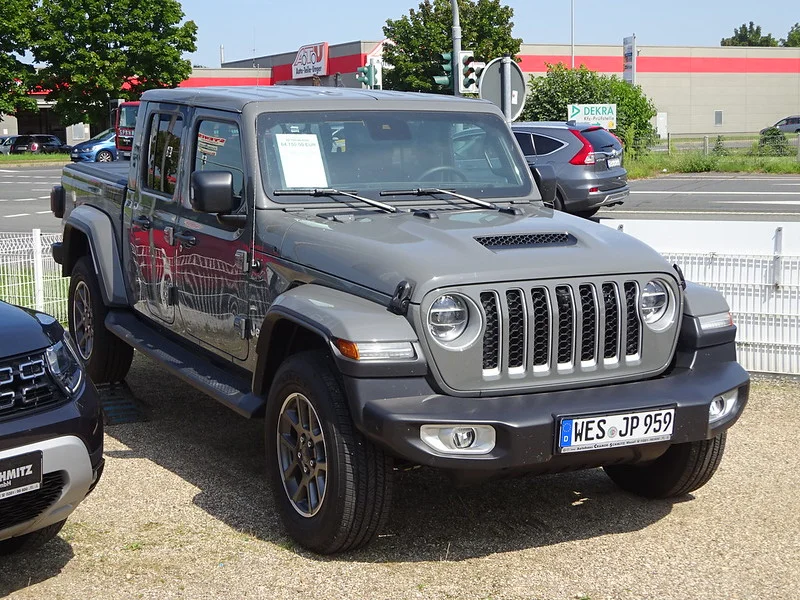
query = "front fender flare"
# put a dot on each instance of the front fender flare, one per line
(333, 314)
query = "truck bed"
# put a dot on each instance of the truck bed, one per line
(115, 173)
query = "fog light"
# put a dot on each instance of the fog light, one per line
(716, 409)
(722, 406)
(459, 439)
(463, 437)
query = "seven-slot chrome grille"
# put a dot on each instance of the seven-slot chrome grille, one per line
(547, 333)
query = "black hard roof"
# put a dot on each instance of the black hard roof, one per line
(237, 97)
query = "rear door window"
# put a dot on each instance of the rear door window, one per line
(545, 144)
(601, 140)
(525, 142)
(163, 152)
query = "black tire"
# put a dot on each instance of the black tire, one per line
(107, 357)
(558, 202)
(587, 214)
(104, 156)
(32, 540)
(356, 495)
(681, 470)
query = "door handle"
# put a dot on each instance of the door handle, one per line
(186, 239)
(143, 222)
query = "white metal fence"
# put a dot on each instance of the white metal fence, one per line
(28, 274)
(763, 290)
(764, 296)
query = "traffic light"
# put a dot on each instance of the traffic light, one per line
(468, 82)
(366, 75)
(377, 73)
(446, 64)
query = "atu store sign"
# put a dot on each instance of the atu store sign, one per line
(311, 60)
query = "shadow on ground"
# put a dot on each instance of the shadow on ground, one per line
(16, 572)
(221, 453)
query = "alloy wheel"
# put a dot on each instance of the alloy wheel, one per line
(302, 457)
(82, 320)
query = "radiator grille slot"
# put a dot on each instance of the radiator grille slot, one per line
(491, 337)
(541, 327)
(632, 314)
(588, 323)
(566, 324)
(516, 330)
(611, 308)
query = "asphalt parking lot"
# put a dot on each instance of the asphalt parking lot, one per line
(183, 511)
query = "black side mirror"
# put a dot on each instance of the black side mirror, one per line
(545, 177)
(212, 192)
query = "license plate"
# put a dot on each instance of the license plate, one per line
(611, 431)
(20, 474)
(614, 162)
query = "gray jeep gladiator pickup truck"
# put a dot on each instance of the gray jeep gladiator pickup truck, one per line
(383, 290)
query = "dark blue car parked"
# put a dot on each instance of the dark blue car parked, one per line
(101, 148)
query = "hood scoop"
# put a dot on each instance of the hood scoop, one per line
(515, 241)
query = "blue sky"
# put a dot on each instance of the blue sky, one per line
(271, 27)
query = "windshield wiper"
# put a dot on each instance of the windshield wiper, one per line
(332, 193)
(512, 210)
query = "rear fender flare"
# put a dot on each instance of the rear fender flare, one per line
(97, 229)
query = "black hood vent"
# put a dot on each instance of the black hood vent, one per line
(514, 241)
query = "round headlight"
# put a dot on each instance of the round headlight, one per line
(654, 301)
(448, 317)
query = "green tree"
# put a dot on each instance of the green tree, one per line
(749, 35)
(15, 23)
(95, 50)
(792, 39)
(425, 32)
(550, 94)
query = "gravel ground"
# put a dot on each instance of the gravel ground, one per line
(183, 512)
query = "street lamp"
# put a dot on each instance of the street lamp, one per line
(572, 33)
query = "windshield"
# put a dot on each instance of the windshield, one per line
(127, 116)
(372, 151)
(103, 136)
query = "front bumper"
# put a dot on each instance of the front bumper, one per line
(70, 438)
(68, 477)
(525, 424)
(82, 156)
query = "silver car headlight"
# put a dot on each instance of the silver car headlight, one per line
(64, 365)
(655, 304)
(448, 317)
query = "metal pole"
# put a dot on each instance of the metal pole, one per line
(456, 72)
(571, 34)
(505, 87)
(38, 271)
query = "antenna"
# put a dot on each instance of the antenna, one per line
(221, 55)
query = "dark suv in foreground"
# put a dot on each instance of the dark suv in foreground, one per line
(51, 431)
(587, 160)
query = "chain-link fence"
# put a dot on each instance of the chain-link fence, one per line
(28, 274)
